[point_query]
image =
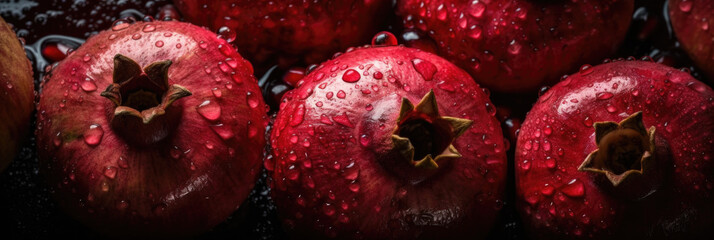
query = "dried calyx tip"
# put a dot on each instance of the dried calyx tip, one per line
(625, 150)
(423, 136)
(142, 93)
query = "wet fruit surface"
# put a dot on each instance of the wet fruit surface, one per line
(162, 141)
(517, 46)
(570, 182)
(691, 20)
(27, 210)
(289, 32)
(387, 141)
(16, 95)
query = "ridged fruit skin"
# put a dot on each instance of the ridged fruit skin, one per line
(521, 45)
(293, 31)
(331, 136)
(16, 94)
(183, 185)
(691, 22)
(556, 201)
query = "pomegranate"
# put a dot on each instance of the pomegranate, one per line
(690, 21)
(620, 149)
(517, 45)
(173, 144)
(289, 32)
(387, 142)
(16, 94)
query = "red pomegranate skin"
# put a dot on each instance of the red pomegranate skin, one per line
(518, 45)
(691, 20)
(556, 201)
(182, 185)
(292, 32)
(333, 165)
(16, 94)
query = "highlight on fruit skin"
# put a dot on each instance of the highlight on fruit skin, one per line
(16, 95)
(622, 149)
(151, 129)
(385, 141)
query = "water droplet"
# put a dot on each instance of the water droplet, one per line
(604, 95)
(298, 115)
(384, 39)
(136, 36)
(354, 187)
(292, 173)
(120, 25)
(685, 6)
(252, 100)
(351, 76)
(328, 209)
(148, 28)
(94, 135)
(343, 120)
(532, 198)
(586, 69)
(159, 43)
(343, 219)
(227, 34)
(110, 172)
(341, 94)
(224, 132)
(550, 162)
(610, 108)
(477, 9)
(364, 140)
(209, 110)
(217, 92)
(475, 33)
(86, 58)
(547, 190)
(326, 120)
(514, 48)
(574, 188)
(123, 163)
(105, 187)
(378, 75)
(88, 85)
(425, 68)
(58, 139)
(525, 165)
(588, 122)
(122, 205)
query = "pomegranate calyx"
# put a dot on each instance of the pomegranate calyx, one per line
(144, 94)
(424, 137)
(625, 150)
